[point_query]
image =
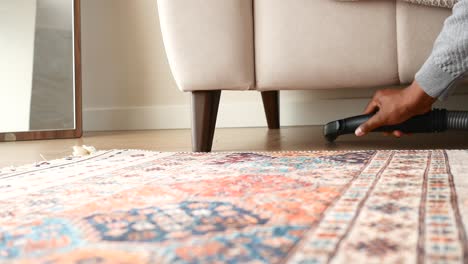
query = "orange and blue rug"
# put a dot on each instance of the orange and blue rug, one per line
(134, 206)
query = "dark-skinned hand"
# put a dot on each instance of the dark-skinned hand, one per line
(395, 106)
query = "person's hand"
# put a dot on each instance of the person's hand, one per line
(395, 106)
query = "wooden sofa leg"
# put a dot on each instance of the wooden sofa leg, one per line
(271, 103)
(205, 106)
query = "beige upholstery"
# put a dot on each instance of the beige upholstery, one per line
(296, 44)
(209, 43)
(417, 29)
(303, 44)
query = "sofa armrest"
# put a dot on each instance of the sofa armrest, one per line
(209, 43)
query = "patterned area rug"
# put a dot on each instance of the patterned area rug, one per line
(133, 206)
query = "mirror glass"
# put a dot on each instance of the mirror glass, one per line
(36, 65)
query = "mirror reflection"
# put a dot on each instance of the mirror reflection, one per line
(36, 65)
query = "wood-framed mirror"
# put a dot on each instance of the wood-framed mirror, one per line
(40, 70)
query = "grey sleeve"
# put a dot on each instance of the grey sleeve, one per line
(448, 61)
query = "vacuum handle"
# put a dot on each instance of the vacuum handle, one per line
(434, 121)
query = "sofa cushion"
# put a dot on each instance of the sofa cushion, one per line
(417, 30)
(209, 43)
(303, 44)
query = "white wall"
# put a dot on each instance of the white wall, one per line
(128, 85)
(17, 27)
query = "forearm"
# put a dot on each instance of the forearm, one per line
(448, 61)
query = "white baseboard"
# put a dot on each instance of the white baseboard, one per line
(232, 114)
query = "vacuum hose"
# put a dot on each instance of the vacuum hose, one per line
(457, 120)
(437, 120)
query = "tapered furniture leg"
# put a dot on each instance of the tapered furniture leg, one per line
(271, 103)
(205, 106)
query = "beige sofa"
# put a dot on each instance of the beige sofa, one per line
(273, 45)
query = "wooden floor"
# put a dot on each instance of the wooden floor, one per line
(238, 139)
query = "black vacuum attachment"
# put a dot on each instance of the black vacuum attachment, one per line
(437, 120)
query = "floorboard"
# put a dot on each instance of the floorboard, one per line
(229, 139)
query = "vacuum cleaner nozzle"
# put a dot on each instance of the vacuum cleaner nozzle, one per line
(437, 120)
(331, 131)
